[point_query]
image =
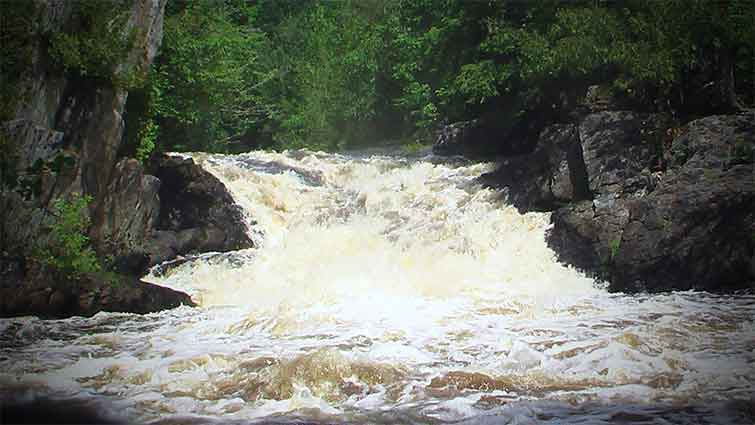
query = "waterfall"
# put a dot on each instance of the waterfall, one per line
(390, 289)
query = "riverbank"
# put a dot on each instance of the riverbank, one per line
(29, 288)
(638, 198)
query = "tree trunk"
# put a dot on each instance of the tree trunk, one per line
(726, 83)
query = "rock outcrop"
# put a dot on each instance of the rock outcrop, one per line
(552, 175)
(63, 137)
(464, 138)
(181, 210)
(31, 289)
(484, 138)
(197, 213)
(641, 202)
(68, 116)
(692, 228)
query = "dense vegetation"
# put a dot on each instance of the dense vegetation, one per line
(236, 73)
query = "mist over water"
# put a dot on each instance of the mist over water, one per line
(390, 289)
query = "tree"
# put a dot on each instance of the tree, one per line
(208, 76)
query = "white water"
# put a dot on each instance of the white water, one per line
(389, 289)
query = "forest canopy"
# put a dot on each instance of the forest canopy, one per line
(235, 74)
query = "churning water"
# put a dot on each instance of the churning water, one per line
(392, 290)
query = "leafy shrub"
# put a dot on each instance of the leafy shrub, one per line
(68, 248)
(147, 138)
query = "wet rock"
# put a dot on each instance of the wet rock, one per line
(37, 300)
(40, 143)
(693, 229)
(621, 149)
(128, 216)
(49, 293)
(552, 175)
(57, 302)
(76, 117)
(197, 213)
(460, 138)
(486, 137)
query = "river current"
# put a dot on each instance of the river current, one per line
(388, 289)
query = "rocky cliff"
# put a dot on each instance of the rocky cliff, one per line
(642, 200)
(63, 136)
(67, 115)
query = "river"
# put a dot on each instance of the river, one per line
(392, 289)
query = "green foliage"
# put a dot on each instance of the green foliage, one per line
(332, 75)
(96, 45)
(147, 140)
(208, 76)
(68, 248)
(615, 245)
(17, 30)
(142, 130)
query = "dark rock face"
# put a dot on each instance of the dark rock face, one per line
(691, 229)
(485, 137)
(183, 210)
(60, 116)
(639, 201)
(464, 138)
(621, 149)
(553, 174)
(197, 213)
(130, 211)
(29, 289)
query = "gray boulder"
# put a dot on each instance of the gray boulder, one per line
(693, 229)
(621, 150)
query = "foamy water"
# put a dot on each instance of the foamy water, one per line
(389, 290)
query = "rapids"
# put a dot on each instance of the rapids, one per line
(389, 289)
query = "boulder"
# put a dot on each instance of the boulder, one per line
(621, 150)
(197, 213)
(693, 229)
(463, 138)
(31, 289)
(497, 134)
